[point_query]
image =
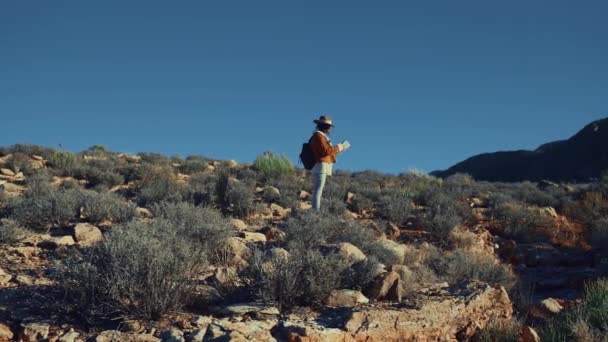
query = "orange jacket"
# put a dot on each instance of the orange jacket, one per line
(322, 149)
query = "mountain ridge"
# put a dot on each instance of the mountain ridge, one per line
(582, 157)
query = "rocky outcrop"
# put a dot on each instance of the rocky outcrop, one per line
(435, 314)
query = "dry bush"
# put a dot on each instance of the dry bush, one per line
(499, 331)
(158, 184)
(523, 223)
(306, 277)
(10, 231)
(42, 207)
(590, 207)
(396, 206)
(443, 214)
(201, 225)
(98, 207)
(142, 270)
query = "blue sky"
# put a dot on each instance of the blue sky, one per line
(420, 84)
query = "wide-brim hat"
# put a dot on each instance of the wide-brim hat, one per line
(324, 119)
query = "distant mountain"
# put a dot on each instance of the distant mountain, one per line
(580, 158)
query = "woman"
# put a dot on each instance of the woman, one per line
(325, 156)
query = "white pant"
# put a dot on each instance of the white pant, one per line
(319, 184)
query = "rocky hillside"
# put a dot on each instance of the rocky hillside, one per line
(104, 246)
(580, 158)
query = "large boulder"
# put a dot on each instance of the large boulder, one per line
(392, 252)
(349, 252)
(386, 287)
(345, 298)
(87, 234)
(5, 333)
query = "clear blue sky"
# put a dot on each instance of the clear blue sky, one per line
(412, 84)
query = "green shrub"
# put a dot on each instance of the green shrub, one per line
(10, 231)
(65, 162)
(361, 203)
(306, 277)
(42, 209)
(98, 207)
(201, 225)
(141, 270)
(273, 166)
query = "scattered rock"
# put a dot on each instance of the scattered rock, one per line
(34, 331)
(271, 193)
(7, 172)
(87, 234)
(385, 284)
(273, 234)
(239, 225)
(37, 157)
(198, 335)
(550, 211)
(303, 195)
(528, 334)
(13, 188)
(279, 253)
(256, 309)
(551, 306)
(279, 211)
(202, 321)
(394, 252)
(253, 237)
(350, 252)
(237, 248)
(5, 333)
(5, 278)
(232, 163)
(241, 331)
(349, 198)
(304, 205)
(404, 272)
(115, 336)
(143, 213)
(225, 276)
(24, 280)
(70, 336)
(392, 230)
(346, 298)
(173, 335)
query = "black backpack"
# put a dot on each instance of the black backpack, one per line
(306, 156)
